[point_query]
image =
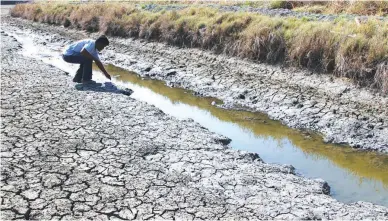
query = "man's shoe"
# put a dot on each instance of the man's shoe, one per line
(91, 83)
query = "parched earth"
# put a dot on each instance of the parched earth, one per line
(71, 154)
(333, 107)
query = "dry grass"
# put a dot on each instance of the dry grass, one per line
(315, 6)
(343, 48)
(379, 8)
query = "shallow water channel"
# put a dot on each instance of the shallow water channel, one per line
(352, 175)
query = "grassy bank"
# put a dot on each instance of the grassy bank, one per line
(379, 8)
(358, 51)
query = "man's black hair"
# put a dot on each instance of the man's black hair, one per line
(102, 40)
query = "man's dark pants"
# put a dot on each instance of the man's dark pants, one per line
(84, 71)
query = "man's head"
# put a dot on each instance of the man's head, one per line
(101, 42)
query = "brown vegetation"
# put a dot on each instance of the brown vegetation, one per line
(374, 7)
(379, 8)
(343, 48)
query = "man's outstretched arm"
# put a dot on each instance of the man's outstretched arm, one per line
(85, 53)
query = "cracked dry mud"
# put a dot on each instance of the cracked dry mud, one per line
(341, 112)
(337, 109)
(84, 154)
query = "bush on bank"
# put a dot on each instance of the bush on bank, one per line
(358, 51)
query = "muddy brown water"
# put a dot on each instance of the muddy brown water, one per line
(352, 175)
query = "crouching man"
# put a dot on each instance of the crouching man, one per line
(84, 52)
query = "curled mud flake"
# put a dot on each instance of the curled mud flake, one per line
(171, 73)
(241, 96)
(252, 156)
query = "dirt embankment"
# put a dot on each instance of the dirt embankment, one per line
(69, 154)
(333, 107)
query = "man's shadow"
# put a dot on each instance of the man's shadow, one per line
(107, 87)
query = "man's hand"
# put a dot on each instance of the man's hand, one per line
(107, 76)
